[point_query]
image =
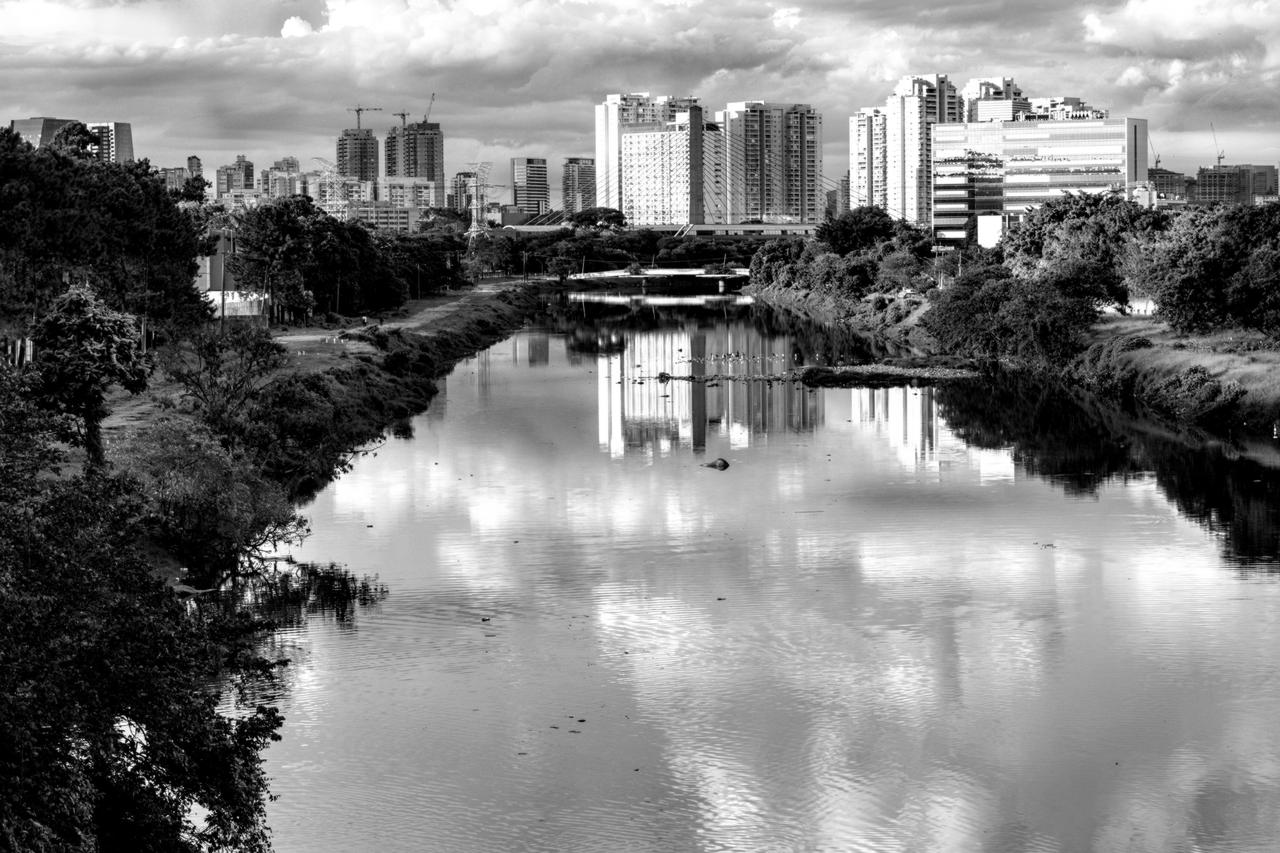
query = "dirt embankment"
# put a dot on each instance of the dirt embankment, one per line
(379, 372)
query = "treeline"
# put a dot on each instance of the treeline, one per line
(595, 240)
(311, 263)
(1034, 298)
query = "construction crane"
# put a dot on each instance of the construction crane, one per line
(1221, 153)
(357, 109)
(403, 117)
(1154, 152)
(431, 103)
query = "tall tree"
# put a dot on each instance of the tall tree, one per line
(84, 348)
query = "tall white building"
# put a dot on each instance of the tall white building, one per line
(673, 172)
(619, 111)
(774, 162)
(867, 141)
(917, 103)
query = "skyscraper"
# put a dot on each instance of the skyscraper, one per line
(115, 140)
(416, 150)
(578, 184)
(462, 195)
(673, 172)
(358, 154)
(612, 116)
(905, 163)
(774, 162)
(530, 190)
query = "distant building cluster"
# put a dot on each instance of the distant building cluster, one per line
(663, 160)
(964, 162)
(114, 139)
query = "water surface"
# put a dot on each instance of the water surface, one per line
(905, 619)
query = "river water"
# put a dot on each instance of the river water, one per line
(902, 619)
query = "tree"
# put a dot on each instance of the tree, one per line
(208, 504)
(84, 349)
(856, 230)
(194, 189)
(110, 733)
(599, 218)
(224, 371)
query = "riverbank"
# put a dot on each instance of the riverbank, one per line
(1225, 382)
(344, 387)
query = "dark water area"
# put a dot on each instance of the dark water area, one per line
(978, 616)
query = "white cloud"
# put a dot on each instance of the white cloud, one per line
(296, 27)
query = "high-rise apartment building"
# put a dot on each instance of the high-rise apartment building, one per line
(358, 154)
(867, 152)
(416, 150)
(462, 193)
(530, 190)
(996, 171)
(114, 140)
(283, 179)
(996, 95)
(673, 172)
(195, 167)
(902, 162)
(616, 113)
(578, 184)
(237, 176)
(774, 162)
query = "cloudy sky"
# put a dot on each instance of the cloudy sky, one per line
(270, 78)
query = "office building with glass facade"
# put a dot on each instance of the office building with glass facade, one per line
(999, 170)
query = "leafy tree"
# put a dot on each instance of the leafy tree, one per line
(855, 230)
(224, 371)
(1212, 268)
(1085, 233)
(988, 312)
(84, 349)
(599, 218)
(772, 264)
(208, 504)
(110, 735)
(194, 188)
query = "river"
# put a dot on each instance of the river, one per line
(902, 619)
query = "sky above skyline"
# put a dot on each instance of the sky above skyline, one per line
(274, 78)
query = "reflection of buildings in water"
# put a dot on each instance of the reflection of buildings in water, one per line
(539, 344)
(638, 411)
(908, 418)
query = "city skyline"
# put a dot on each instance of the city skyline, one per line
(277, 79)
